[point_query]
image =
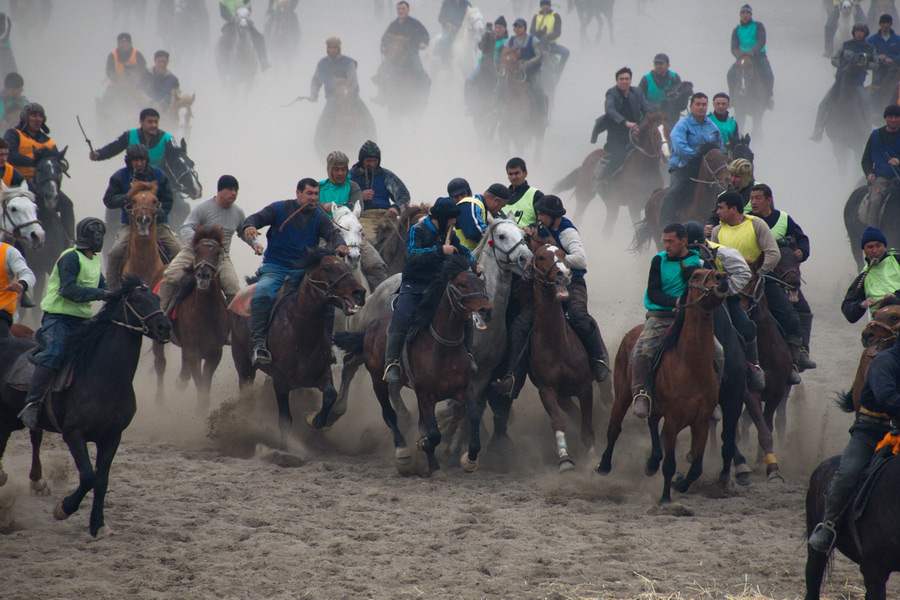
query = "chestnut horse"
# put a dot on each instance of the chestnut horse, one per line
(559, 367)
(685, 386)
(711, 179)
(637, 178)
(142, 258)
(879, 334)
(436, 364)
(201, 326)
(298, 338)
(392, 236)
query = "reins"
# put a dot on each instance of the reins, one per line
(713, 173)
(142, 319)
(704, 291)
(456, 297)
(17, 227)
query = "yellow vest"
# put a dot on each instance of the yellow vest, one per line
(88, 276)
(8, 299)
(712, 246)
(470, 244)
(546, 22)
(27, 147)
(742, 238)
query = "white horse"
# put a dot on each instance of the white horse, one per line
(352, 232)
(18, 217)
(464, 48)
(845, 22)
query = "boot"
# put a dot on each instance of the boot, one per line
(805, 331)
(599, 361)
(519, 330)
(823, 537)
(392, 368)
(640, 374)
(794, 344)
(37, 389)
(468, 340)
(259, 326)
(756, 378)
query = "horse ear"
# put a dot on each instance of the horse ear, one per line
(63, 153)
(357, 209)
(183, 145)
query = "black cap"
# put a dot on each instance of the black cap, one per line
(520, 21)
(501, 20)
(694, 232)
(661, 58)
(457, 186)
(891, 110)
(550, 205)
(500, 190)
(227, 182)
(124, 37)
(13, 80)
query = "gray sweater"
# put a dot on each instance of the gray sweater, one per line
(209, 213)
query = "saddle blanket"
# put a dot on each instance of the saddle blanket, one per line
(173, 314)
(241, 302)
(20, 374)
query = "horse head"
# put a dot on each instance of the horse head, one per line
(242, 17)
(549, 267)
(474, 20)
(135, 307)
(19, 220)
(846, 8)
(740, 148)
(509, 65)
(508, 246)
(882, 331)
(713, 167)
(706, 288)
(468, 293)
(331, 277)
(208, 245)
(179, 168)
(788, 268)
(49, 167)
(143, 206)
(652, 136)
(352, 231)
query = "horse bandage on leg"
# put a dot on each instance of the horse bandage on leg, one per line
(770, 459)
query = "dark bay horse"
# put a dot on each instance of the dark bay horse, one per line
(845, 122)
(298, 338)
(344, 123)
(685, 387)
(558, 366)
(392, 236)
(481, 93)
(519, 122)
(872, 541)
(712, 178)
(402, 86)
(436, 363)
(879, 334)
(283, 32)
(201, 325)
(142, 257)
(99, 403)
(748, 96)
(890, 218)
(739, 148)
(179, 168)
(637, 178)
(594, 10)
(235, 54)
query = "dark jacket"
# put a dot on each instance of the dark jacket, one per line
(16, 158)
(412, 29)
(613, 121)
(889, 47)
(655, 292)
(850, 48)
(793, 230)
(880, 392)
(453, 13)
(871, 163)
(425, 253)
(856, 293)
(116, 195)
(120, 144)
(394, 193)
(269, 217)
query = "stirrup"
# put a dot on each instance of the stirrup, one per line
(28, 419)
(474, 364)
(641, 395)
(505, 386)
(598, 361)
(829, 528)
(261, 356)
(387, 372)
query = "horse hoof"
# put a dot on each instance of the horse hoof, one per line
(775, 477)
(500, 444)
(59, 513)
(40, 487)
(181, 384)
(651, 468)
(469, 466)
(104, 532)
(3, 478)
(680, 484)
(440, 475)
(603, 468)
(742, 478)
(312, 420)
(421, 444)
(566, 464)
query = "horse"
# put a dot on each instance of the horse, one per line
(283, 31)
(845, 122)
(437, 365)
(392, 236)
(871, 540)
(201, 325)
(235, 54)
(465, 45)
(748, 93)
(18, 218)
(595, 10)
(403, 85)
(844, 28)
(142, 257)
(739, 148)
(480, 95)
(685, 389)
(180, 111)
(889, 223)
(179, 169)
(519, 121)
(676, 101)
(298, 338)
(638, 177)
(712, 178)
(344, 123)
(352, 232)
(99, 403)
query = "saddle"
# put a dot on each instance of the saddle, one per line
(19, 376)
(240, 305)
(885, 452)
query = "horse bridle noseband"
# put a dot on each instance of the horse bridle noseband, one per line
(756, 295)
(456, 298)
(506, 263)
(542, 277)
(17, 227)
(328, 289)
(715, 172)
(206, 263)
(704, 291)
(142, 319)
(637, 146)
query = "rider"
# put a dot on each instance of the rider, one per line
(148, 134)
(498, 36)
(159, 83)
(694, 131)
(873, 15)
(548, 24)
(125, 66)
(8, 174)
(75, 282)
(472, 220)
(740, 172)
(749, 38)
(415, 38)
(530, 60)
(887, 50)
(657, 84)
(522, 197)
(12, 101)
(665, 286)
(831, 24)
(783, 226)
(430, 240)
(338, 190)
(451, 17)
(729, 260)
(116, 196)
(495, 199)
(728, 127)
(15, 279)
(879, 279)
(295, 227)
(626, 108)
(879, 410)
(383, 193)
(218, 210)
(858, 46)
(332, 72)
(752, 237)
(27, 140)
(881, 165)
(227, 10)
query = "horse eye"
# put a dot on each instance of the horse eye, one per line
(501, 236)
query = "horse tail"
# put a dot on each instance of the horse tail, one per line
(568, 182)
(643, 235)
(349, 342)
(844, 401)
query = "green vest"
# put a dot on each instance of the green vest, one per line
(523, 210)
(883, 278)
(747, 36)
(337, 194)
(156, 152)
(780, 228)
(232, 5)
(726, 128)
(656, 95)
(88, 276)
(672, 282)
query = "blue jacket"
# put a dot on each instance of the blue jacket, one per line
(425, 253)
(881, 393)
(472, 220)
(889, 47)
(290, 235)
(877, 154)
(688, 136)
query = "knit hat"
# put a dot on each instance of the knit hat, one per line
(746, 8)
(872, 234)
(892, 110)
(13, 80)
(662, 57)
(551, 206)
(227, 182)
(743, 168)
(499, 190)
(443, 209)
(457, 186)
(501, 20)
(369, 150)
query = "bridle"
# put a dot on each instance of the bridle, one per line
(636, 146)
(141, 319)
(755, 295)
(327, 288)
(543, 277)
(205, 263)
(713, 172)
(704, 291)
(456, 297)
(16, 227)
(506, 263)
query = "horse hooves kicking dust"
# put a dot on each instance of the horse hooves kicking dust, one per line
(59, 512)
(469, 466)
(39, 487)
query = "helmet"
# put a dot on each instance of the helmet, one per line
(743, 168)
(135, 152)
(860, 27)
(443, 209)
(31, 109)
(694, 232)
(370, 150)
(551, 206)
(457, 186)
(89, 234)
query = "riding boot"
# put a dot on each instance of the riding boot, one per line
(393, 349)
(37, 389)
(756, 378)
(593, 345)
(794, 343)
(519, 331)
(805, 331)
(468, 340)
(259, 326)
(640, 376)
(167, 294)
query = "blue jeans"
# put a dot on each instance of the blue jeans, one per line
(405, 306)
(271, 278)
(562, 52)
(53, 337)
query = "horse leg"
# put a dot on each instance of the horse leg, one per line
(780, 421)
(210, 364)
(670, 433)
(699, 433)
(106, 451)
(348, 372)
(474, 412)
(773, 473)
(159, 363)
(4, 438)
(656, 450)
(621, 402)
(192, 362)
(38, 483)
(612, 215)
(586, 403)
(401, 451)
(550, 400)
(876, 582)
(429, 427)
(764, 435)
(329, 395)
(285, 420)
(730, 416)
(403, 414)
(501, 407)
(86, 479)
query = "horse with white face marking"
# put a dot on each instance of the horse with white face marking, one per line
(18, 217)
(352, 231)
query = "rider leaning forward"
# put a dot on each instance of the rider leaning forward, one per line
(383, 192)
(881, 166)
(879, 279)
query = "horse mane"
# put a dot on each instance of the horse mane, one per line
(314, 256)
(388, 239)
(7, 193)
(138, 186)
(454, 264)
(482, 243)
(208, 232)
(887, 301)
(670, 339)
(651, 120)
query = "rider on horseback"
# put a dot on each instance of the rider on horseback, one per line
(880, 162)
(125, 66)
(749, 38)
(336, 72)
(295, 226)
(880, 278)
(415, 38)
(12, 101)
(856, 49)
(227, 10)
(451, 17)
(159, 83)
(430, 240)
(831, 25)
(530, 60)
(657, 84)
(626, 108)
(383, 193)
(490, 39)
(149, 135)
(522, 197)
(27, 141)
(476, 210)
(8, 174)
(728, 127)
(75, 282)
(137, 168)
(548, 24)
(741, 180)
(752, 237)
(887, 50)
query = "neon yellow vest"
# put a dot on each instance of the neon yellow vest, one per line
(742, 238)
(523, 210)
(88, 276)
(713, 246)
(883, 278)
(546, 22)
(470, 244)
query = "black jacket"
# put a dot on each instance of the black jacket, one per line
(116, 195)
(613, 121)
(425, 253)
(856, 293)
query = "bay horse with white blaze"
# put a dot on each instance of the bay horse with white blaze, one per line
(142, 257)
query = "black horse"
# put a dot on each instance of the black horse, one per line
(99, 403)
(890, 218)
(739, 147)
(875, 546)
(179, 168)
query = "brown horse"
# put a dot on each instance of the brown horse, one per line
(392, 236)
(519, 120)
(748, 95)
(201, 325)
(879, 334)
(711, 179)
(436, 364)
(142, 257)
(637, 178)
(685, 387)
(298, 338)
(402, 87)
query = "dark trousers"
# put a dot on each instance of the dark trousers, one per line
(617, 148)
(864, 436)
(801, 305)
(576, 307)
(406, 304)
(765, 73)
(739, 319)
(680, 185)
(781, 309)
(5, 324)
